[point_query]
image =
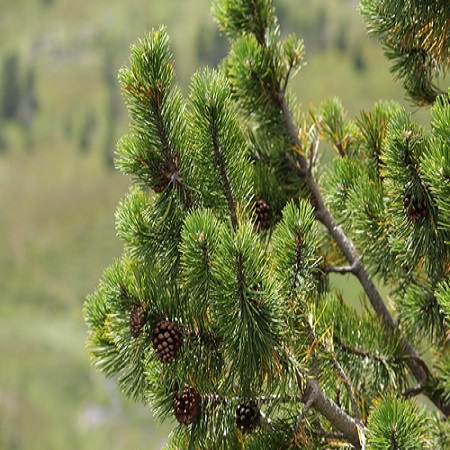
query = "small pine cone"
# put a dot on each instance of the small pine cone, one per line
(263, 213)
(158, 188)
(137, 319)
(186, 405)
(248, 416)
(167, 171)
(415, 210)
(166, 340)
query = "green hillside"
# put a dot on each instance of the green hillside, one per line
(60, 116)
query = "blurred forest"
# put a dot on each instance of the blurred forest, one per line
(61, 114)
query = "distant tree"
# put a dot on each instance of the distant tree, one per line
(87, 132)
(3, 142)
(47, 3)
(342, 37)
(358, 60)
(220, 312)
(10, 87)
(321, 28)
(29, 103)
(18, 97)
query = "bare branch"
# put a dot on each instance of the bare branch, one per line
(341, 269)
(413, 391)
(314, 396)
(348, 387)
(313, 152)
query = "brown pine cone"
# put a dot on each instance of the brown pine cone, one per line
(166, 340)
(137, 319)
(415, 210)
(248, 416)
(263, 213)
(187, 405)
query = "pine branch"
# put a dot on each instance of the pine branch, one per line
(170, 167)
(325, 217)
(216, 162)
(398, 424)
(415, 37)
(363, 353)
(341, 374)
(416, 364)
(152, 153)
(374, 355)
(314, 397)
(220, 164)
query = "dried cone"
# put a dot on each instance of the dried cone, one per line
(247, 416)
(166, 171)
(415, 210)
(186, 405)
(263, 213)
(166, 340)
(137, 319)
(158, 188)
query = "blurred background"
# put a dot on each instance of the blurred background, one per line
(61, 114)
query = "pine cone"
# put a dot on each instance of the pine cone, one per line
(263, 213)
(166, 340)
(248, 416)
(186, 405)
(137, 319)
(415, 210)
(158, 188)
(166, 173)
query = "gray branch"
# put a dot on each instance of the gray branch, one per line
(317, 399)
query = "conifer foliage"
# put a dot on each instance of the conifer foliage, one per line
(220, 313)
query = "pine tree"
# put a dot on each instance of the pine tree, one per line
(220, 313)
